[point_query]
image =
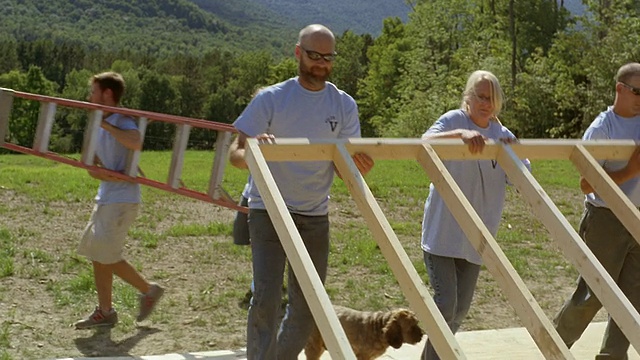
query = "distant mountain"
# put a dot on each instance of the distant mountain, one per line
(575, 7)
(254, 20)
(360, 16)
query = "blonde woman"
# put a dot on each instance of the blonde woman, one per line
(452, 263)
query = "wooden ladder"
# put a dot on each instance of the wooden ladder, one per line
(48, 105)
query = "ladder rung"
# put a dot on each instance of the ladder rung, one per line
(177, 158)
(134, 156)
(223, 142)
(6, 102)
(46, 118)
(91, 137)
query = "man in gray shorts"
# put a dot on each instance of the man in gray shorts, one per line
(604, 234)
(116, 207)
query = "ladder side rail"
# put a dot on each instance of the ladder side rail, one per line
(174, 119)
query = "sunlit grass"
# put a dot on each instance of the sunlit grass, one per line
(212, 229)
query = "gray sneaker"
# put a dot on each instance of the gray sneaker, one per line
(98, 319)
(149, 300)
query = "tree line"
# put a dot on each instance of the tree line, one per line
(556, 70)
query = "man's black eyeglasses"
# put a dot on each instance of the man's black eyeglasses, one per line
(634, 90)
(314, 55)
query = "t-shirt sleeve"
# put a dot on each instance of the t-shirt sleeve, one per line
(444, 123)
(351, 128)
(507, 134)
(256, 117)
(595, 133)
(125, 123)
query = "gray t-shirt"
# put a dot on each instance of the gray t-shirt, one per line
(483, 182)
(610, 126)
(114, 157)
(287, 110)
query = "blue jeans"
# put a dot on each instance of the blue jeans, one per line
(264, 340)
(453, 282)
(619, 254)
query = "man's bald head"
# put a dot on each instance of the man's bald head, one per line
(314, 32)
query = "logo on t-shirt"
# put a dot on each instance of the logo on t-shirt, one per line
(331, 120)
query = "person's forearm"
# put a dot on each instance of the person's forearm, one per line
(236, 158)
(236, 153)
(618, 177)
(452, 134)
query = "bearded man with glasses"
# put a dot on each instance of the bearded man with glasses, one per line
(604, 234)
(306, 106)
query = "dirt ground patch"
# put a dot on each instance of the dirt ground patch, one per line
(207, 277)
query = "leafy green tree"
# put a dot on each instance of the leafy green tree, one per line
(378, 89)
(9, 55)
(24, 115)
(350, 65)
(562, 93)
(68, 130)
(221, 106)
(449, 40)
(251, 71)
(434, 75)
(282, 71)
(159, 93)
(193, 91)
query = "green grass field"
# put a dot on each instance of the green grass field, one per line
(187, 245)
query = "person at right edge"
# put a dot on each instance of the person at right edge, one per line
(603, 233)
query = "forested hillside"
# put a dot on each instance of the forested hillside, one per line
(156, 27)
(556, 76)
(188, 26)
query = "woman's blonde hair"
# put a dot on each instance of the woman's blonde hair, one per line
(476, 78)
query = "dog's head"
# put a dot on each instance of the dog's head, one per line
(401, 328)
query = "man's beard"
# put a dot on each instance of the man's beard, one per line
(310, 75)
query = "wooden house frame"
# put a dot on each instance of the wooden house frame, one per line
(430, 155)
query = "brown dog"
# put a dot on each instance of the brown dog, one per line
(370, 333)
